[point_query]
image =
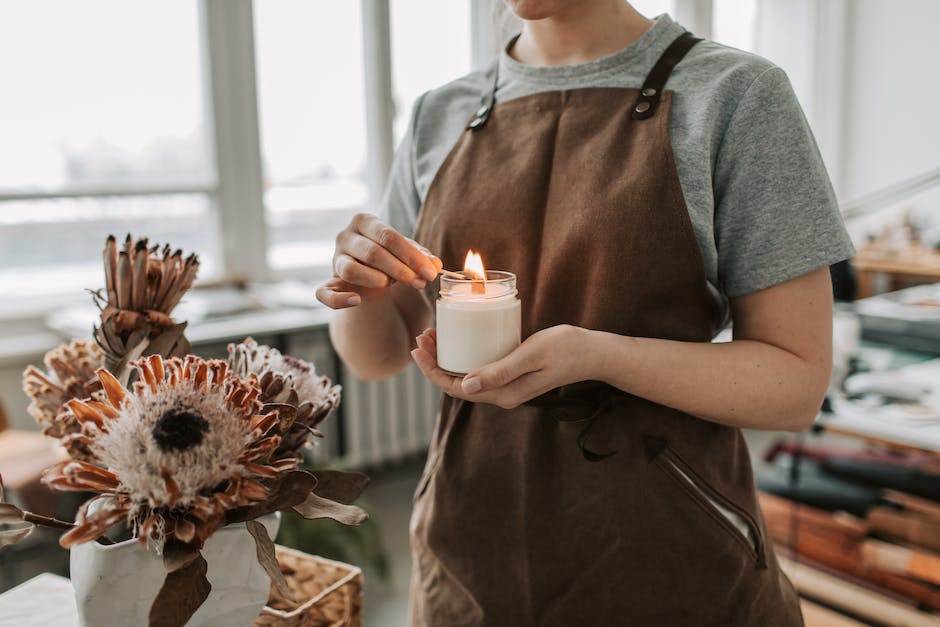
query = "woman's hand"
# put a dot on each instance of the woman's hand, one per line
(370, 256)
(546, 360)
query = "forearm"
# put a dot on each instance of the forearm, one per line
(375, 337)
(744, 383)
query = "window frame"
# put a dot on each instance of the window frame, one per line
(231, 97)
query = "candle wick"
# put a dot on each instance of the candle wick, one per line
(454, 275)
(477, 285)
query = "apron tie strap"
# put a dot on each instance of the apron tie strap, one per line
(581, 410)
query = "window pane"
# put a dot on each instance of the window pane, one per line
(103, 93)
(311, 108)
(54, 246)
(430, 47)
(733, 23)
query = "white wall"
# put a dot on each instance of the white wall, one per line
(892, 117)
(866, 73)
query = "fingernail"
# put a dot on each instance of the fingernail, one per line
(471, 385)
(429, 274)
(354, 300)
(419, 283)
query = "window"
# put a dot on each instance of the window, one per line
(312, 118)
(103, 101)
(53, 246)
(312, 109)
(117, 118)
(430, 47)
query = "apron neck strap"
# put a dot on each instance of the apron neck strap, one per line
(652, 88)
(645, 105)
(488, 100)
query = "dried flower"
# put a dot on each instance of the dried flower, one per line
(189, 446)
(185, 444)
(305, 398)
(142, 287)
(70, 373)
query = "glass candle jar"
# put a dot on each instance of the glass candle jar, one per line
(478, 322)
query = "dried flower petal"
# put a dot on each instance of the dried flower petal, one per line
(142, 286)
(70, 373)
(180, 447)
(287, 382)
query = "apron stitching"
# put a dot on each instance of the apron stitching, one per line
(756, 549)
(688, 230)
(752, 522)
(705, 507)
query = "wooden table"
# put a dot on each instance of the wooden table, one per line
(913, 266)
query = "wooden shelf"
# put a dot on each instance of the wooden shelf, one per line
(912, 266)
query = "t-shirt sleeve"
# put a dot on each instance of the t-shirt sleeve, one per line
(776, 215)
(400, 202)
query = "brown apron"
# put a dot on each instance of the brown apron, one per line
(587, 506)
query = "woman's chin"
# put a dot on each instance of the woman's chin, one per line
(531, 10)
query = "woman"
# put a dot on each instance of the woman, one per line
(644, 186)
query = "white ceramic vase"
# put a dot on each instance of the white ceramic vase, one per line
(116, 584)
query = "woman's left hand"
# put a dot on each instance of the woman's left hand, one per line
(546, 360)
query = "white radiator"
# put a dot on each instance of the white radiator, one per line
(387, 421)
(381, 422)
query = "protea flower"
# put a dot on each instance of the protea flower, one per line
(142, 288)
(191, 445)
(292, 385)
(70, 373)
(174, 453)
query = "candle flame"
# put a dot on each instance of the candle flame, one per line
(473, 266)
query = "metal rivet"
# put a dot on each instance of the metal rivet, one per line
(642, 107)
(483, 111)
(649, 91)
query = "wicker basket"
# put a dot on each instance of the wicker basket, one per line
(327, 593)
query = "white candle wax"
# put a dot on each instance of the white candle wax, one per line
(475, 329)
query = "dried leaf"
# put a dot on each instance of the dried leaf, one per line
(176, 555)
(264, 547)
(290, 490)
(183, 591)
(10, 513)
(164, 343)
(12, 536)
(340, 486)
(137, 345)
(318, 507)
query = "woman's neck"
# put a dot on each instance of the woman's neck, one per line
(581, 33)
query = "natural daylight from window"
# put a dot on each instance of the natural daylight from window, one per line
(110, 126)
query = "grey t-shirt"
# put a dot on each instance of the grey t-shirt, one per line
(755, 185)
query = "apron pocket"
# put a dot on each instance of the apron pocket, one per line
(732, 518)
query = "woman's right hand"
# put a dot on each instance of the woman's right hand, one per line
(370, 256)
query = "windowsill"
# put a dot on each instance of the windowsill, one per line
(35, 309)
(215, 314)
(18, 348)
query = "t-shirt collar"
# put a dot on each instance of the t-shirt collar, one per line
(641, 53)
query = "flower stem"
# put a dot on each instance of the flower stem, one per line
(45, 521)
